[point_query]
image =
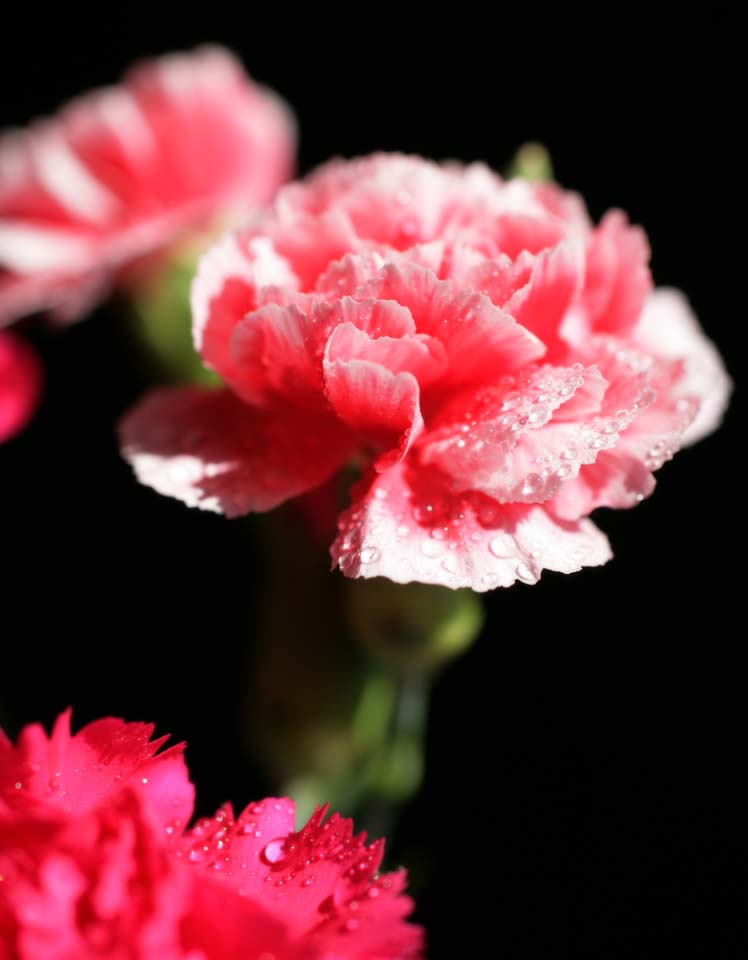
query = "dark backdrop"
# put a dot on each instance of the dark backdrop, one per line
(585, 794)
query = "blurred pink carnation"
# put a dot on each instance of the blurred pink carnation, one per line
(20, 384)
(95, 862)
(121, 172)
(496, 365)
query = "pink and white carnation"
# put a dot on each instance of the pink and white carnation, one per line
(496, 366)
(120, 173)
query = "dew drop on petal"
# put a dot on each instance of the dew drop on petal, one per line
(532, 484)
(432, 549)
(369, 555)
(503, 547)
(525, 574)
(276, 851)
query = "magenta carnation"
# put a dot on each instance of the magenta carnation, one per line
(96, 862)
(497, 367)
(121, 172)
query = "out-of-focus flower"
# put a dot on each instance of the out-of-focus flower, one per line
(184, 141)
(20, 384)
(497, 366)
(95, 862)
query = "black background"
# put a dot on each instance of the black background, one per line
(585, 793)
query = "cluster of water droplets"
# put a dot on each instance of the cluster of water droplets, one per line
(246, 850)
(665, 448)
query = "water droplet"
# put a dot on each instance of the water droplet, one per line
(537, 415)
(18, 785)
(198, 853)
(452, 565)
(276, 851)
(422, 514)
(432, 549)
(309, 880)
(351, 925)
(532, 484)
(439, 533)
(144, 780)
(570, 453)
(646, 398)
(503, 546)
(487, 515)
(611, 427)
(563, 471)
(525, 574)
(370, 555)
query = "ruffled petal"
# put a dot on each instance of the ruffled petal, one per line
(384, 406)
(212, 451)
(224, 291)
(407, 524)
(321, 881)
(669, 329)
(618, 280)
(66, 773)
(481, 341)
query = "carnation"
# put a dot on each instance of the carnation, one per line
(120, 173)
(97, 861)
(493, 365)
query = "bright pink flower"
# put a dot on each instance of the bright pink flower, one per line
(95, 862)
(121, 172)
(20, 384)
(496, 365)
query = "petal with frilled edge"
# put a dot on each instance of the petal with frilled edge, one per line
(322, 881)
(482, 342)
(669, 328)
(210, 450)
(407, 524)
(71, 773)
(618, 278)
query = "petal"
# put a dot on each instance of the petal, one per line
(542, 304)
(74, 773)
(276, 351)
(482, 342)
(212, 451)
(407, 524)
(516, 443)
(618, 279)
(669, 328)
(20, 384)
(371, 399)
(419, 354)
(224, 291)
(318, 881)
(621, 475)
